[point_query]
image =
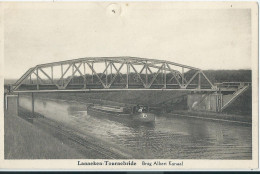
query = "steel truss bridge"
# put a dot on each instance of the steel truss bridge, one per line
(113, 73)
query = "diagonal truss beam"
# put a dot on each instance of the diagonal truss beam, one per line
(24, 76)
(148, 68)
(63, 74)
(77, 69)
(138, 75)
(187, 84)
(49, 78)
(212, 86)
(117, 72)
(167, 69)
(38, 77)
(174, 76)
(105, 70)
(71, 77)
(96, 75)
(155, 76)
(142, 69)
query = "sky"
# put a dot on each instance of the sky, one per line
(206, 38)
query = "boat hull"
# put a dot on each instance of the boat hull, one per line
(140, 117)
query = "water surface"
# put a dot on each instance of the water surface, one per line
(168, 138)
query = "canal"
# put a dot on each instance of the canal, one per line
(168, 138)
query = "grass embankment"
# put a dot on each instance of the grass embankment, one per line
(242, 105)
(22, 140)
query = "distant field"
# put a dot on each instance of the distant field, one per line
(218, 76)
(9, 81)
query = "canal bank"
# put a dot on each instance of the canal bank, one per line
(23, 140)
(242, 119)
(38, 137)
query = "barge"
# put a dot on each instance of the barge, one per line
(136, 113)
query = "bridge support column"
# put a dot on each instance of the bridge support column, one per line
(199, 81)
(32, 104)
(18, 104)
(219, 102)
(11, 104)
(127, 75)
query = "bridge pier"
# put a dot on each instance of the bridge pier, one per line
(205, 102)
(32, 104)
(11, 104)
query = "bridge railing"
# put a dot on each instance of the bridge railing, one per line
(233, 84)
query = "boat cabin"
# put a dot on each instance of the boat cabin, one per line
(140, 109)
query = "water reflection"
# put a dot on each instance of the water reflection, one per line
(168, 137)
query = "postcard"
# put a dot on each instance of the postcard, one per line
(129, 86)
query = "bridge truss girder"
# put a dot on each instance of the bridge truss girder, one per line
(107, 72)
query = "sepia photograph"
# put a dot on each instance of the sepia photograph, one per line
(129, 85)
